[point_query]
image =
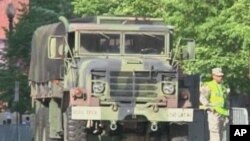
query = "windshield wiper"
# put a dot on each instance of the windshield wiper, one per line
(104, 35)
(150, 35)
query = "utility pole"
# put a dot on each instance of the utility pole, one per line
(16, 99)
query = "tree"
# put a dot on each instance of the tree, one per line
(220, 27)
(118, 7)
(19, 45)
(223, 40)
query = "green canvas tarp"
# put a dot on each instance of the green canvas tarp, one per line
(42, 69)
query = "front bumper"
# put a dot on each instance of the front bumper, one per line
(107, 113)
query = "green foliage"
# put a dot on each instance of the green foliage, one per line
(93, 7)
(224, 41)
(19, 45)
(221, 29)
(118, 7)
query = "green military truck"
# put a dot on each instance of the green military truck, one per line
(112, 78)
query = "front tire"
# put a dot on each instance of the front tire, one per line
(75, 130)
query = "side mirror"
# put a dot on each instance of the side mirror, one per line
(56, 47)
(188, 50)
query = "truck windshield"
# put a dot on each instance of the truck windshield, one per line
(144, 43)
(134, 43)
(100, 42)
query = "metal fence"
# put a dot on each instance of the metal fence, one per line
(240, 116)
(15, 133)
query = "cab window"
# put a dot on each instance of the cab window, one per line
(144, 43)
(99, 42)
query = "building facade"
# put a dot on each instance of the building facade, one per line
(4, 22)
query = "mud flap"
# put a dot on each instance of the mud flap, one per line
(178, 132)
(198, 129)
(55, 119)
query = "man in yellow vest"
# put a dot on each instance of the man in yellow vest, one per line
(213, 98)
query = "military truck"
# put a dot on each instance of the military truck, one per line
(111, 78)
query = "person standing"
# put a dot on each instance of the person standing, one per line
(213, 98)
(8, 116)
(26, 121)
(4, 122)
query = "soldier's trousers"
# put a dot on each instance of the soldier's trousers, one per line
(216, 126)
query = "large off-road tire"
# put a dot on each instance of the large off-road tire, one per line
(75, 130)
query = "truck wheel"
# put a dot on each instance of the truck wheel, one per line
(75, 129)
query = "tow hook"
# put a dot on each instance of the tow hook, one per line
(113, 126)
(154, 126)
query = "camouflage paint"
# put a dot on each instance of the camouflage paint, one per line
(121, 63)
(155, 108)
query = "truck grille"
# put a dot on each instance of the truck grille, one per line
(133, 84)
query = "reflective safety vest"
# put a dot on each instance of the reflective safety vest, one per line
(217, 98)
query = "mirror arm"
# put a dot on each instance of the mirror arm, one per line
(66, 26)
(71, 53)
(177, 51)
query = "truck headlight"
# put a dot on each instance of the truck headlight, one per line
(98, 87)
(168, 88)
